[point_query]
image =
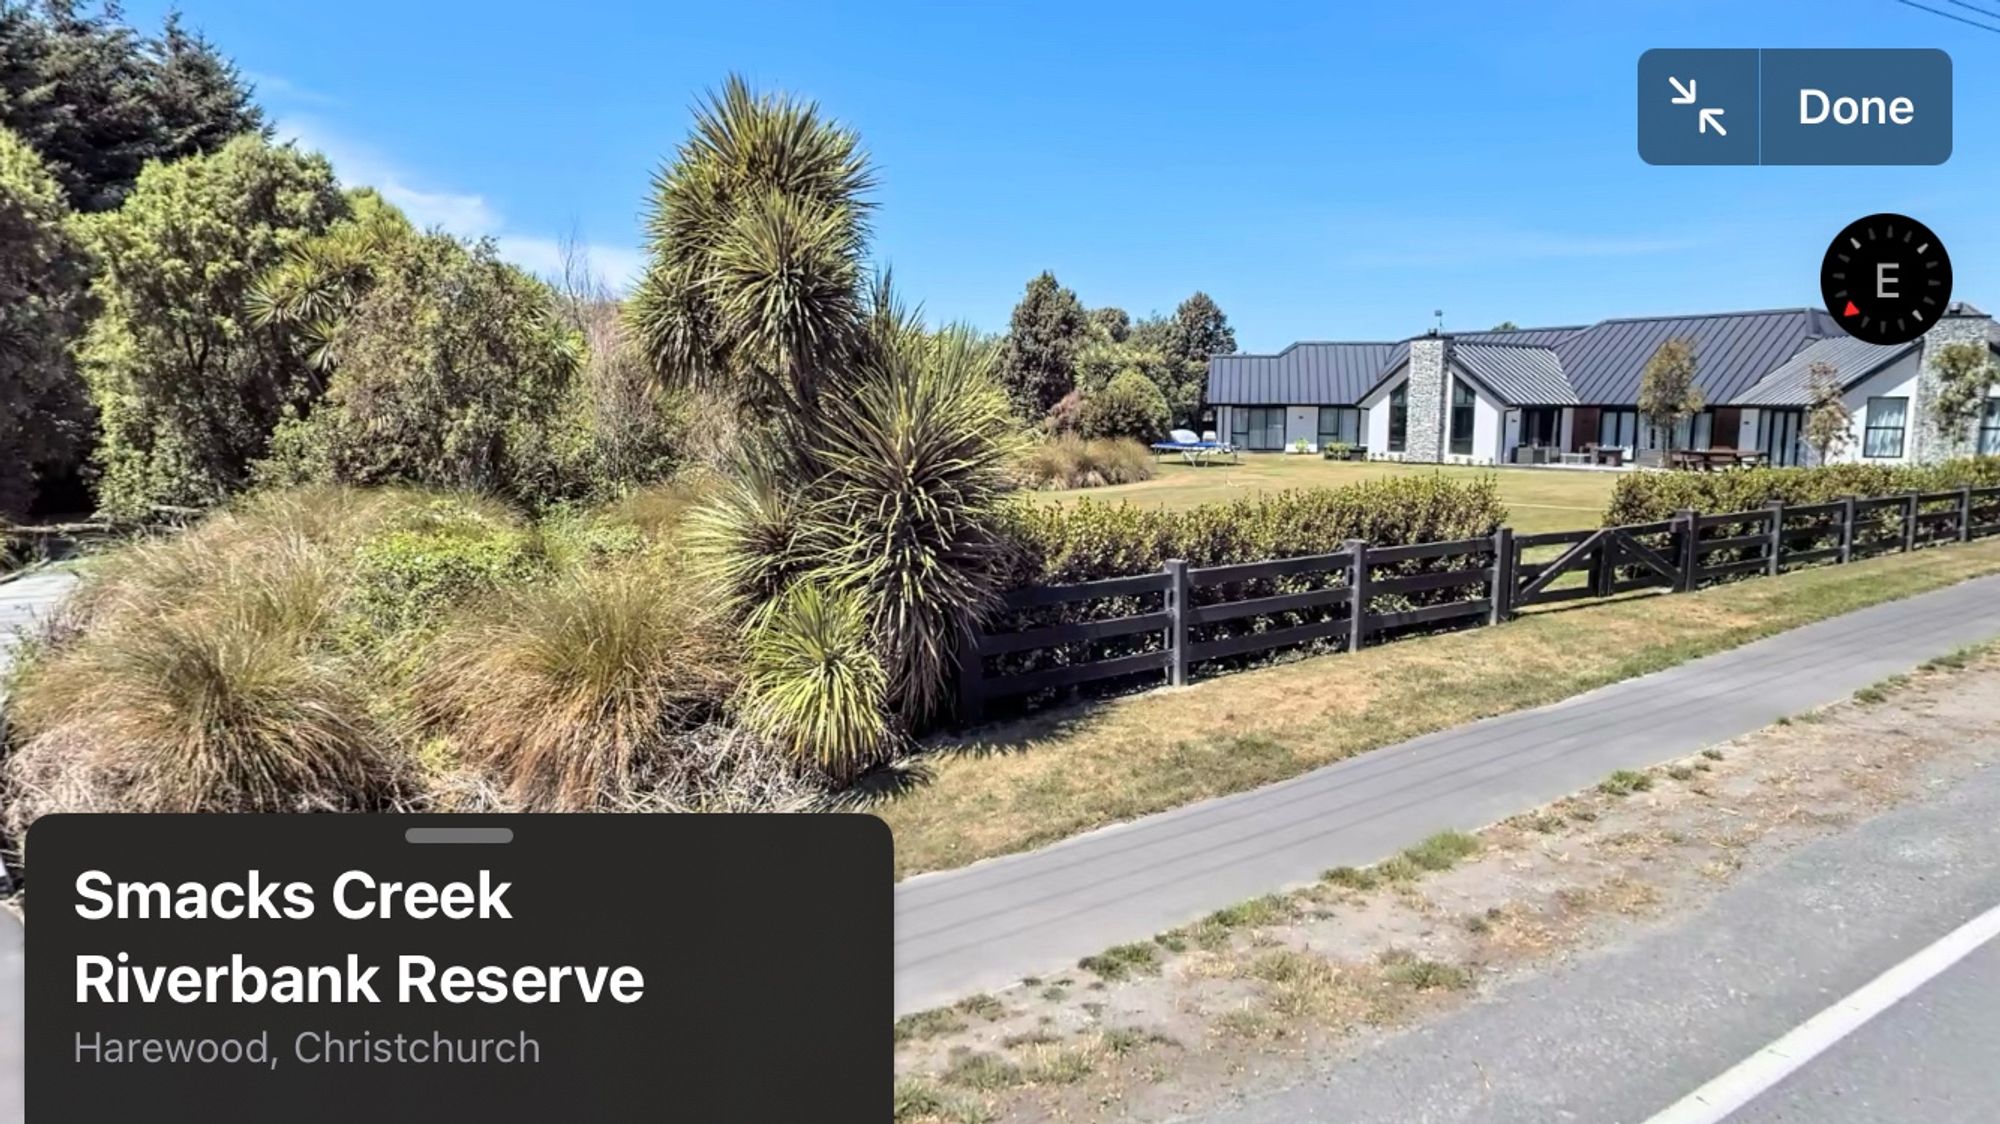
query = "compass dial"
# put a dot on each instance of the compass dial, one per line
(1886, 278)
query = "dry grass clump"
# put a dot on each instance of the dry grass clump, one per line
(569, 691)
(1068, 461)
(221, 703)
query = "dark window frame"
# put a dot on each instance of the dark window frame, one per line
(1350, 433)
(1467, 411)
(1900, 429)
(1399, 418)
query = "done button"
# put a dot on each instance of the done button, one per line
(1855, 107)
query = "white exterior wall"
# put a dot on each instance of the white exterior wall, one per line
(1897, 380)
(1302, 424)
(1566, 429)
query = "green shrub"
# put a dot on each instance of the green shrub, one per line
(407, 578)
(1644, 497)
(451, 371)
(44, 416)
(1131, 405)
(1072, 462)
(815, 684)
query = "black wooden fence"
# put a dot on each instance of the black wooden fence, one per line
(1172, 622)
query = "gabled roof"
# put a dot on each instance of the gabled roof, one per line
(1791, 383)
(1741, 358)
(1325, 373)
(1520, 375)
(1732, 350)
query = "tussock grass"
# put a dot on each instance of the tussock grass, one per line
(1070, 462)
(563, 692)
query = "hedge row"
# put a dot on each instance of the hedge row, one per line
(1642, 497)
(1086, 541)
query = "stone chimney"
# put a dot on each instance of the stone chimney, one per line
(1961, 323)
(1428, 397)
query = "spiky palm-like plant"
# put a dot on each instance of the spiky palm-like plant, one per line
(756, 233)
(322, 278)
(914, 463)
(748, 538)
(815, 685)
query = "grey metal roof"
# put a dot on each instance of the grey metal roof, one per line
(1791, 383)
(1732, 351)
(1519, 374)
(1601, 364)
(1305, 373)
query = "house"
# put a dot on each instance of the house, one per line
(1476, 397)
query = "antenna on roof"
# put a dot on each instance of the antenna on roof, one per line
(1439, 313)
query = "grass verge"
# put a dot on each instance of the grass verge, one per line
(1019, 786)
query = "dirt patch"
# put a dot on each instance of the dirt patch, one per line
(1247, 995)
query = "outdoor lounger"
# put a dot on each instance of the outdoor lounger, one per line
(1193, 449)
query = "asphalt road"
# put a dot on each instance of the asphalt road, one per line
(1622, 1033)
(990, 924)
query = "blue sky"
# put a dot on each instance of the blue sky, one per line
(1324, 170)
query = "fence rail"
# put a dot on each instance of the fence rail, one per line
(1169, 622)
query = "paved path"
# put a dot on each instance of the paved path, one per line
(23, 600)
(1620, 1033)
(988, 925)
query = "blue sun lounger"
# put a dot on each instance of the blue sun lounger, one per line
(1192, 449)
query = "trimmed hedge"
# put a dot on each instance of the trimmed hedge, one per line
(1643, 497)
(1086, 541)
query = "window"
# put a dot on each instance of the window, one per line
(1618, 427)
(1989, 429)
(1778, 435)
(1339, 425)
(1540, 425)
(1884, 435)
(1260, 429)
(1399, 418)
(1461, 418)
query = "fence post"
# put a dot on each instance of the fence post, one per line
(1690, 558)
(971, 672)
(1965, 513)
(1500, 596)
(1177, 630)
(1775, 562)
(1604, 567)
(1909, 522)
(1847, 515)
(1357, 593)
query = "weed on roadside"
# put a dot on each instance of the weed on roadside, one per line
(1624, 782)
(1350, 878)
(1120, 962)
(1443, 850)
(928, 1024)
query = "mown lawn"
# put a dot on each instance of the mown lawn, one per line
(1010, 788)
(1540, 499)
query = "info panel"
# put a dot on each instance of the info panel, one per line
(396, 969)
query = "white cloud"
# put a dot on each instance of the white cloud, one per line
(273, 87)
(464, 214)
(618, 266)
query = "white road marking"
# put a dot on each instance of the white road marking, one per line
(1746, 1079)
